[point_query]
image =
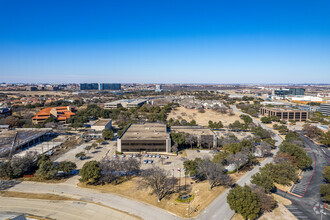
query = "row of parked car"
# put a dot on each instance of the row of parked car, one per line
(155, 156)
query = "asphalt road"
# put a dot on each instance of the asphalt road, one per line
(121, 203)
(311, 205)
(219, 208)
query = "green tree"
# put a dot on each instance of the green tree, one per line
(326, 173)
(221, 157)
(179, 137)
(107, 134)
(325, 139)
(47, 170)
(66, 166)
(304, 161)
(264, 180)
(266, 120)
(191, 166)
(325, 191)
(90, 172)
(233, 148)
(243, 201)
(282, 173)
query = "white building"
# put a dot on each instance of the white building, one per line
(102, 124)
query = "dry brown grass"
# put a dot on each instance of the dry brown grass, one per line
(202, 118)
(24, 195)
(38, 179)
(284, 188)
(202, 195)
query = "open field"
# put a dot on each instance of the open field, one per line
(202, 118)
(202, 195)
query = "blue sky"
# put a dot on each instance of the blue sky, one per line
(165, 41)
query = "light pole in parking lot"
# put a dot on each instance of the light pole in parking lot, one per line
(184, 170)
(173, 179)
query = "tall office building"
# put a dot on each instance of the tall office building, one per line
(297, 91)
(89, 86)
(109, 86)
(325, 109)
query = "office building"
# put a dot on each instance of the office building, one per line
(285, 114)
(325, 109)
(100, 86)
(62, 114)
(205, 136)
(125, 103)
(109, 86)
(89, 86)
(102, 124)
(146, 137)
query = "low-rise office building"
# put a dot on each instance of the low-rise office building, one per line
(102, 124)
(325, 109)
(285, 114)
(125, 103)
(146, 137)
(205, 136)
(62, 114)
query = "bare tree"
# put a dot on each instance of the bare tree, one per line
(214, 173)
(231, 112)
(238, 159)
(191, 140)
(158, 180)
(207, 140)
(267, 202)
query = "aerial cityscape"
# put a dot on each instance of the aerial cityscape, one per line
(208, 110)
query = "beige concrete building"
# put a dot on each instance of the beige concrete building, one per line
(205, 136)
(125, 103)
(285, 114)
(149, 137)
(102, 124)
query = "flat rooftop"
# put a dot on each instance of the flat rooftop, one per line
(284, 109)
(130, 101)
(146, 131)
(102, 122)
(7, 137)
(196, 130)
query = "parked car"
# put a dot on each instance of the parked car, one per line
(154, 156)
(131, 155)
(158, 156)
(150, 161)
(134, 155)
(123, 155)
(147, 155)
(145, 161)
(115, 156)
(165, 157)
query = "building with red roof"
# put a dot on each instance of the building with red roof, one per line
(62, 114)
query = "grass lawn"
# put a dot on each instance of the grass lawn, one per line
(202, 195)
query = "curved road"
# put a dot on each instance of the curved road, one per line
(219, 208)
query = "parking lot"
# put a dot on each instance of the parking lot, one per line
(94, 154)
